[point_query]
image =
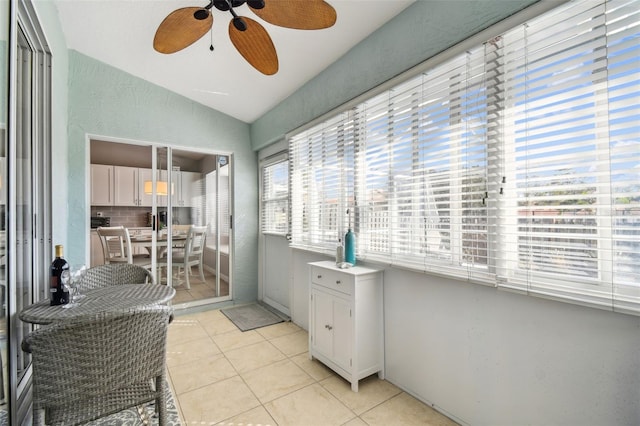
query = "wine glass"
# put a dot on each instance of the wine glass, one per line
(76, 275)
(65, 278)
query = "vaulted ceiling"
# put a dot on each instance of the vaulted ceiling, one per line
(120, 33)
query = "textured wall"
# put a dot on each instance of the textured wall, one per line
(419, 32)
(108, 102)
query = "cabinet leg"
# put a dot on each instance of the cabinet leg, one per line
(381, 374)
(354, 386)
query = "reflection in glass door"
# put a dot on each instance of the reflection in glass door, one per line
(191, 188)
(193, 216)
(26, 248)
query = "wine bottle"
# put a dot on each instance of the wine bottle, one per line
(59, 288)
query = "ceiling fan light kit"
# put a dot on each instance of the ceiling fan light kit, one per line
(184, 26)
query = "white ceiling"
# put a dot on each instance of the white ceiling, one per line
(120, 33)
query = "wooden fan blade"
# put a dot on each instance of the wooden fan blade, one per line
(298, 14)
(180, 29)
(255, 45)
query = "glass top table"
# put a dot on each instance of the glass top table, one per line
(105, 299)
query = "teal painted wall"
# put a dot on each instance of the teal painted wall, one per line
(419, 32)
(106, 101)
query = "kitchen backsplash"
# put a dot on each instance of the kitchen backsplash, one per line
(133, 217)
(125, 216)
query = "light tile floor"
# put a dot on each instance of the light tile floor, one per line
(199, 290)
(222, 376)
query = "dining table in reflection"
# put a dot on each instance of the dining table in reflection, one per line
(114, 298)
(145, 240)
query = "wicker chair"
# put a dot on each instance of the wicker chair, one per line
(92, 367)
(114, 274)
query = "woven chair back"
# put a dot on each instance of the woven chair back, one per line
(98, 365)
(114, 274)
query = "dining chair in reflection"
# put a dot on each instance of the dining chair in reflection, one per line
(191, 254)
(180, 229)
(116, 247)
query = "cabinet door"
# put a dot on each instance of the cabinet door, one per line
(332, 327)
(176, 194)
(144, 175)
(322, 318)
(126, 183)
(162, 199)
(342, 326)
(102, 187)
(188, 182)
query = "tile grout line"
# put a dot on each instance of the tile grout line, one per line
(287, 357)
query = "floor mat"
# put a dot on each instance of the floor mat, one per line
(249, 317)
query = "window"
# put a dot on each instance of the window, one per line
(275, 197)
(323, 182)
(515, 163)
(572, 136)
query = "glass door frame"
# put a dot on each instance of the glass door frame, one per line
(162, 164)
(29, 179)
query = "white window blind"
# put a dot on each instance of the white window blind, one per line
(571, 122)
(424, 185)
(216, 197)
(516, 163)
(275, 198)
(322, 183)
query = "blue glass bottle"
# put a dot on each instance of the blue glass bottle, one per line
(350, 247)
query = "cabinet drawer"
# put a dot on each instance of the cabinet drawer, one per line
(332, 279)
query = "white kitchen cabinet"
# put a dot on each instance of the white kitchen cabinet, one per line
(184, 187)
(346, 330)
(126, 183)
(144, 175)
(102, 185)
(129, 186)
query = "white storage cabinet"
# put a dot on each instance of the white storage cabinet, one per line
(346, 330)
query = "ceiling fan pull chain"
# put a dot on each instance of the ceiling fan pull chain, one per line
(211, 35)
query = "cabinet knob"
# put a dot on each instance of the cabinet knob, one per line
(338, 282)
(319, 276)
(328, 327)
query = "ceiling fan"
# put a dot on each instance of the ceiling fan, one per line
(186, 25)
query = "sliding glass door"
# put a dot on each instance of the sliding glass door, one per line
(25, 217)
(194, 219)
(171, 191)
